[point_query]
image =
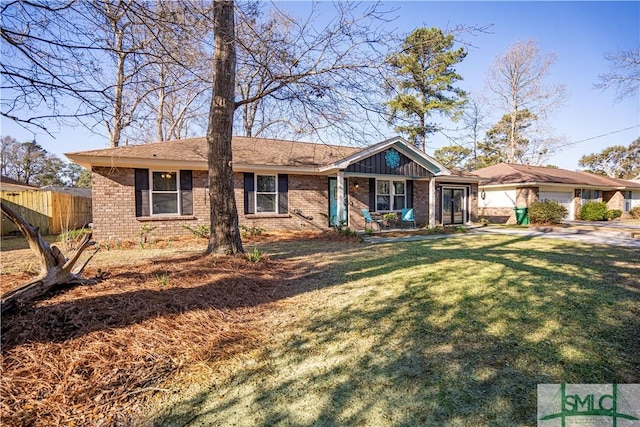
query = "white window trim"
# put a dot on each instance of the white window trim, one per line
(627, 202)
(391, 193)
(255, 186)
(152, 192)
(593, 193)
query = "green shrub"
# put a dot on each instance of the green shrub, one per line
(251, 231)
(73, 234)
(614, 213)
(594, 211)
(547, 212)
(635, 212)
(163, 280)
(203, 231)
(255, 255)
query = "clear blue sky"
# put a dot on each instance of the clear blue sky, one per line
(578, 32)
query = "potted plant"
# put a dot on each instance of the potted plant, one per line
(390, 217)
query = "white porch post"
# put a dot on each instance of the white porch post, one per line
(432, 203)
(340, 198)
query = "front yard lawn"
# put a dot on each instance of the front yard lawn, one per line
(449, 332)
(454, 332)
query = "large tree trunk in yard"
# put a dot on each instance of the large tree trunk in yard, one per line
(55, 269)
(225, 234)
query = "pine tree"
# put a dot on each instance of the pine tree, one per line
(424, 83)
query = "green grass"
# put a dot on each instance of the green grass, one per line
(454, 332)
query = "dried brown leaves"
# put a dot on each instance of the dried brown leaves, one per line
(91, 355)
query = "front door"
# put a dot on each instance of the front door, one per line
(453, 206)
(333, 202)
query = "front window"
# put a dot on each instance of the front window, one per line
(627, 201)
(590, 196)
(390, 195)
(266, 193)
(164, 193)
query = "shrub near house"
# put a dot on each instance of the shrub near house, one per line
(547, 212)
(594, 211)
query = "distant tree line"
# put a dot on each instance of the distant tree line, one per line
(144, 71)
(616, 161)
(29, 163)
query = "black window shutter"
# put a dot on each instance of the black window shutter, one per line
(186, 192)
(409, 193)
(249, 193)
(372, 194)
(283, 193)
(141, 182)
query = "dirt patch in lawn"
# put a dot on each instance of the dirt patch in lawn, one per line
(92, 355)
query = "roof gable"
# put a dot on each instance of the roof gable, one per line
(410, 157)
(389, 162)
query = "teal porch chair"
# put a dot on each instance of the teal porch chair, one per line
(369, 220)
(407, 216)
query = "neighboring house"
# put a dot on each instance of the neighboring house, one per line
(507, 186)
(7, 183)
(52, 209)
(74, 191)
(278, 185)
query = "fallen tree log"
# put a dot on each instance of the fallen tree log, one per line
(55, 268)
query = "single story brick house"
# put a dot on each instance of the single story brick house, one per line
(507, 186)
(278, 185)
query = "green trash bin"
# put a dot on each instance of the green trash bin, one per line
(522, 217)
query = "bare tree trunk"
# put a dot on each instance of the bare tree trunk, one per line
(225, 234)
(160, 119)
(115, 132)
(55, 269)
(512, 136)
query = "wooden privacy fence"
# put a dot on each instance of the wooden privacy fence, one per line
(51, 211)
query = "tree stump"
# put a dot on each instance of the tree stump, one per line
(55, 268)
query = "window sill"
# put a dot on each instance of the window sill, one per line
(165, 218)
(266, 215)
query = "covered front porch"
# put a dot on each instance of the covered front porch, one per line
(435, 203)
(395, 175)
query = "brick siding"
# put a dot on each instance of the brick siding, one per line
(114, 214)
(614, 199)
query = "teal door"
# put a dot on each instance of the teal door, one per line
(333, 202)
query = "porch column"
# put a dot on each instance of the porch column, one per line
(340, 198)
(432, 203)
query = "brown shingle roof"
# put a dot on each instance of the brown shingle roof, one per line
(250, 151)
(7, 183)
(508, 173)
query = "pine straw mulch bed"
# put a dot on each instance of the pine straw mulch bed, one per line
(93, 355)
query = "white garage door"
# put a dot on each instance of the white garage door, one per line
(562, 197)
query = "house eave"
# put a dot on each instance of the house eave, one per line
(131, 162)
(554, 184)
(454, 178)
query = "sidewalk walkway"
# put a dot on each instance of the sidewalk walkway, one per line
(575, 235)
(582, 236)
